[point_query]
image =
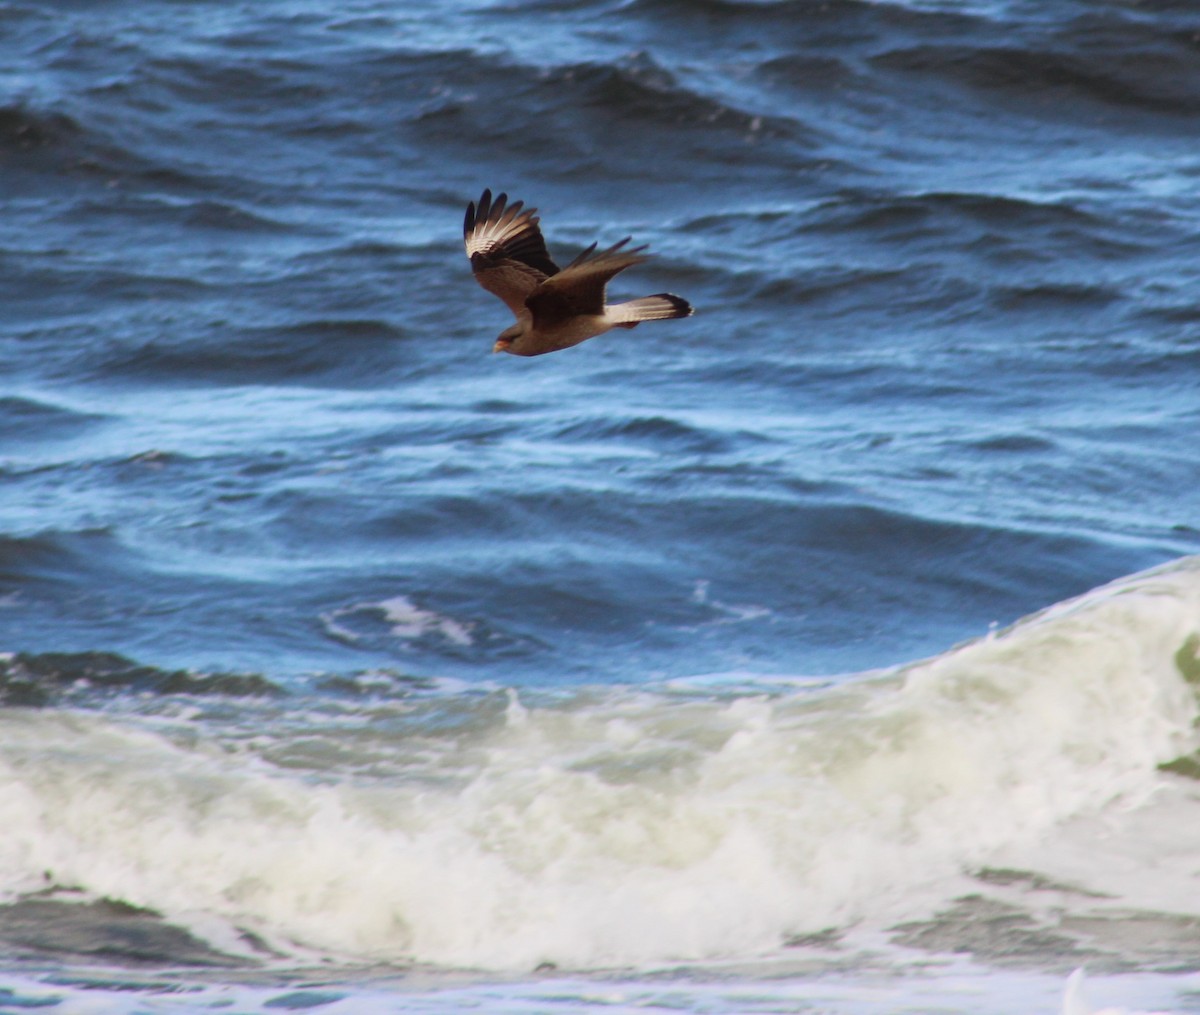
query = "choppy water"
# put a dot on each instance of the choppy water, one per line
(354, 665)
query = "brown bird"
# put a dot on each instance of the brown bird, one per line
(554, 309)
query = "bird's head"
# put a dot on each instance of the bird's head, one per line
(507, 337)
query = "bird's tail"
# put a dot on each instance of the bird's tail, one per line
(659, 307)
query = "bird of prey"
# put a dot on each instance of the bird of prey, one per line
(554, 309)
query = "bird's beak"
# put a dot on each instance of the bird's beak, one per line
(501, 345)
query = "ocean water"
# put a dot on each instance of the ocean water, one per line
(834, 650)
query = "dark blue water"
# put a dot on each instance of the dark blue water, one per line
(944, 368)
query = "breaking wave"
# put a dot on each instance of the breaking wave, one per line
(608, 826)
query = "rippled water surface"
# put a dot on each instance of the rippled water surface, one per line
(335, 638)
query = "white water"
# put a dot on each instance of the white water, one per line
(953, 990)
(627, 826)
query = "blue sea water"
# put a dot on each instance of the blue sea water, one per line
(346, 657)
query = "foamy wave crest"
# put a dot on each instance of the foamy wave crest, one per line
(622, 826)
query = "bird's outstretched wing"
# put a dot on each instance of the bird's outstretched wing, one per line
(579, 287)
(506, 248)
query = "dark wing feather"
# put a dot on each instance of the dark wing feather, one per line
(579, 287)
(508, 254)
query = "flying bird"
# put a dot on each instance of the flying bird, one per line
(554, 309)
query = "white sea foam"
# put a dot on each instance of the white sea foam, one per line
(404, 621)
(628, 826)
(1076, 1002)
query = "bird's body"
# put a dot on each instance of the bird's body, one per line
(555, 309)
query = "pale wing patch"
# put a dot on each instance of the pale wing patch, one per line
(506, 248)
(498, 235)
